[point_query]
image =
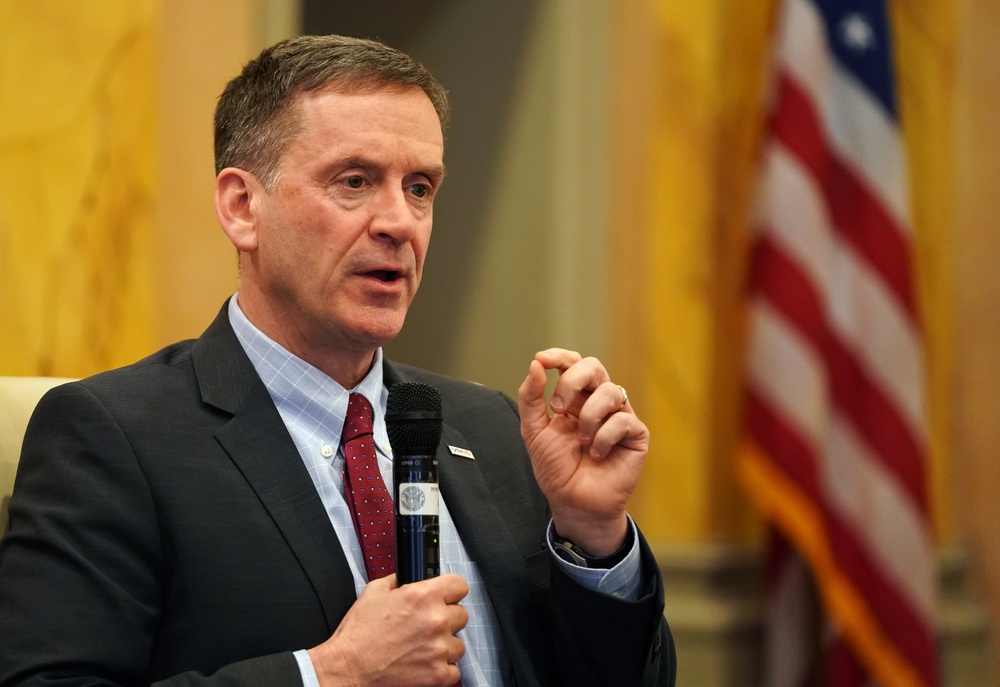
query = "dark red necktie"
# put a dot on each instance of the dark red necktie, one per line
(370, 500)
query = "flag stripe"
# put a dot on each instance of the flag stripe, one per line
(788, 290)
(855, 214)
(782, 443)
(876, 418)
(885, 519)
(845, 669)
(895, 613)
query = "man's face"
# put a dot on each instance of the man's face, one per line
(343, 235)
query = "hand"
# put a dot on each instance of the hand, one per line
(588, 455)
(399, 636)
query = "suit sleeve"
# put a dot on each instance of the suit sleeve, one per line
(604, 640)
(82, 568)
(599, 639)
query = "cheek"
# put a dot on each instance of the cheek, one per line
(421, 244)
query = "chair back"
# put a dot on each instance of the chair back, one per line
(18, 398)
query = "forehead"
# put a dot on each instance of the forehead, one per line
(370, 113)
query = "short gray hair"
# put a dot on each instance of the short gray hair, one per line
(256, 116)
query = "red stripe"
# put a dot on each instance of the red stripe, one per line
(860, 398)
(784, 446)
(899, 621)
(789, 289)
(843, 668)
(856, 214)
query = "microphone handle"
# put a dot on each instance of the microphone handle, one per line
(415, 481)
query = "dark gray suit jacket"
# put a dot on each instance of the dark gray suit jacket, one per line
(164, 528)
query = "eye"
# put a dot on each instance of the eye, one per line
(356, 181)
(420, 190)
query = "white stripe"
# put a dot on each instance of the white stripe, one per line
(794, 210)
(862, 312)
(879, 511)
(857, 126)
(869, 141)
(786, 371)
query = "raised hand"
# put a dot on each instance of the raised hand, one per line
(588, 454)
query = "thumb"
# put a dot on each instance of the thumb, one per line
(531, 403)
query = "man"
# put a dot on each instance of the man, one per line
(185, 520)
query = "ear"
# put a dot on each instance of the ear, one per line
(234, 206)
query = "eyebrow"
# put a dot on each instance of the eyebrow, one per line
(437, 173)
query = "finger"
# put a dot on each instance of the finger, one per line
(623, 430)
(454, 650)
(607, 399)
(531, 404)
(452, 675)
(453, 588)
(381, 585)
(448, 589)
(459, 617)
(558, 358)
(576, 384)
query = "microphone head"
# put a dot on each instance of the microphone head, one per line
(413, 418)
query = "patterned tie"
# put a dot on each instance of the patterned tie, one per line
(371, 502)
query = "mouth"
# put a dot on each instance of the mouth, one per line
(385, 276)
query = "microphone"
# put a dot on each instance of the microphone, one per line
(413, 421)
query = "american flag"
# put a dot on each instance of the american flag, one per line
(836, 456)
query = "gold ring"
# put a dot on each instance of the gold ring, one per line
(624, 397)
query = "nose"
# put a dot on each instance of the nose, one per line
(392, 217)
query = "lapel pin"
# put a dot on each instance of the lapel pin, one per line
(463, 452)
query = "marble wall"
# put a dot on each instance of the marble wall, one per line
(77, 184)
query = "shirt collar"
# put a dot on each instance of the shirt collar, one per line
(303, 393)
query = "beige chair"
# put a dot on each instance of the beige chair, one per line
(18, 397)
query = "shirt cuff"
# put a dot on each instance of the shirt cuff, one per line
(307, 669)
(623, 581)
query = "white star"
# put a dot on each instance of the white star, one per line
(857, 33)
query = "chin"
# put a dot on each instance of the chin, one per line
(372, 326)
(378, 336)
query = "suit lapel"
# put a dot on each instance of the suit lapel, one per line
(477, 515)
(258, 443)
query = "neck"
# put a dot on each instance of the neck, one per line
(347, 363)
(346, 373)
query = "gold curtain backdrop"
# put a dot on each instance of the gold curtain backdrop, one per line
(77, 161)
(702, 77)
